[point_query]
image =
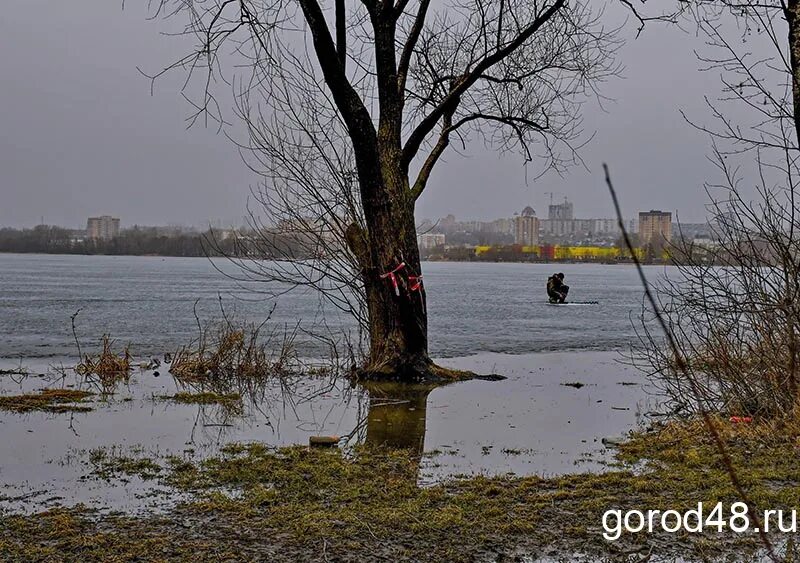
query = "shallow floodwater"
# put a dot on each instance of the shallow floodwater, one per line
(530, 423)
(488, 318)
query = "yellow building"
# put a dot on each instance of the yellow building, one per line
(570, 253)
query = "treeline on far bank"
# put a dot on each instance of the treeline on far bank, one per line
(134, 241)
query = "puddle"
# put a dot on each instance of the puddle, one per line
(529, 423)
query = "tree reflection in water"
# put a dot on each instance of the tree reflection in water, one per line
(396, 417)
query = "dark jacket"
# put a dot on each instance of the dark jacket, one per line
(554, 283)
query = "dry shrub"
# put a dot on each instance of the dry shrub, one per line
(737, 329)
(108, 366)
(225, 354)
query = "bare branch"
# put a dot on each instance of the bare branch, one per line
(468, 79)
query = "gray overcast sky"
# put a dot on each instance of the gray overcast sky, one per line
(80, 134)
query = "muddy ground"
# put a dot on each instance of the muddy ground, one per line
(253, 503)
(152, 470)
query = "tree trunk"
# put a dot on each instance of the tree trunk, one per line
(792, 14)
(396, 301)
(398, 320)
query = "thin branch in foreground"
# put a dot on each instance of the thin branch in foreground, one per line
(681, 365)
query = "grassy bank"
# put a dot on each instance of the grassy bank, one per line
(296, 504)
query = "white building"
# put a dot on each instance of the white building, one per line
(104, 227)
(426, 241)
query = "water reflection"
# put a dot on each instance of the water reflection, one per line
(397, 415)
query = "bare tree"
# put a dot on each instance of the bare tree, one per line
(732, 309)
(347, 126)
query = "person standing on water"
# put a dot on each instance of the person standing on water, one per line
(556, 289)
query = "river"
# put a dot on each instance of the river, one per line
(149, 303)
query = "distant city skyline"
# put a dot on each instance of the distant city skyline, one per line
(542, 213)
(111, 148)
(123, 224)
(563, 210)
(244, 221)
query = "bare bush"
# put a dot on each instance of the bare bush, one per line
(732, 306)
(225, 356)
(107, 368)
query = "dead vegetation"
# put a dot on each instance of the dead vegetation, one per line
(106, 368)
(230, 355)
(15, 371)
(47, 400)
(729, 311)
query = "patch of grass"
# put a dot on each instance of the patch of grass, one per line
(205, 398)
(47, 400)
(63, 534)
(109, 465)
(291, 504)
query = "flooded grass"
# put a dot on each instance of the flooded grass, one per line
(47, 400)
(459, 420)
(297, 503)
(205, 398)
(376, 500)
(109, 465)
(229, 404)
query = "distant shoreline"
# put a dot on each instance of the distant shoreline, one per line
(38, 253)
(596, 262)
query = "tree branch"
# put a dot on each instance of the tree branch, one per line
(510, 120)
(354, 113)
(444, 140)
(468, 79)
(433, 158)
(411, 42)
(341, 34)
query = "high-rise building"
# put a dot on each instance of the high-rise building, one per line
(104, 227)
(605, 226)
(655, 225)
(503, 226)
(560, 211)
(526, 228)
